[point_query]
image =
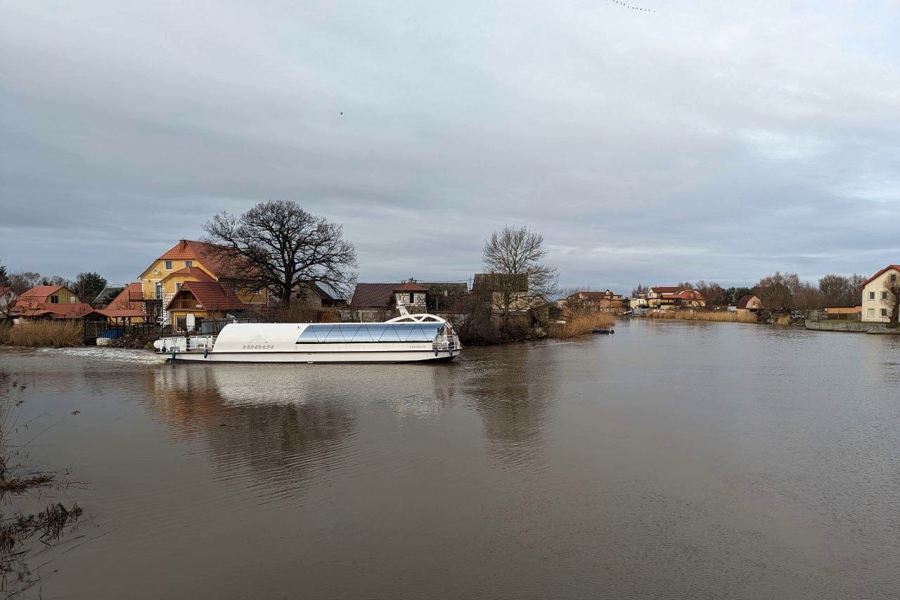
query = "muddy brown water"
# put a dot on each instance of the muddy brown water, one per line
(671, 460)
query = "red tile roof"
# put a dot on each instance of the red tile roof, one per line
(56, 311)
(689, 295)
(41, 292)
(880, 273)
(202, 252)
(662, 289)
(128, 299)
(210, 295)
(37, 297)
(197, 272)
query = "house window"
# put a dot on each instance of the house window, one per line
(893, 278)
(54, 299)
(884, 295)
(871, 313)
(159, 290)
(412, 298)
(872, 296)
(178, 287)
(168, 265)
(188, 264)
(883, 312)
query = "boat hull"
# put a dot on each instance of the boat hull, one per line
(389, 356)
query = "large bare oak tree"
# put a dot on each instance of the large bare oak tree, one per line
(278, 245)
(518, 251)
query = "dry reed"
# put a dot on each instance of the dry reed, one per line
(581, 323)
(43, 334)
(783, 320)
(705, 315)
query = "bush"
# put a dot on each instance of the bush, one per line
(42, 334)
(476, 325)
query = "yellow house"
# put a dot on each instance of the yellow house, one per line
(188, 261)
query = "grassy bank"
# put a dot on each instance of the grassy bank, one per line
(704, 315)
(43, 334)
(581, 323)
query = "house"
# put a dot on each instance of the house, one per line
(314, 296)
(127, 306)
(375, 302)
(444, 297)
(187, 261)
(673, 298)
(52, 302)
(876, 299)
(198, 301)
(749, 304)
(494, 288)
(606, 301)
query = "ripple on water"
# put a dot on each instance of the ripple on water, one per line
(117, 354)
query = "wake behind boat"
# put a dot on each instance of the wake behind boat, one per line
(408, 338)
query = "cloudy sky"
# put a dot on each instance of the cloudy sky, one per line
(705, 140)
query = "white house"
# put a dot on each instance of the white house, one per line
(876, 301)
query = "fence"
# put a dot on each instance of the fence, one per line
(103, 329)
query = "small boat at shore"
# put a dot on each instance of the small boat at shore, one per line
(408, 338)
(603, 331)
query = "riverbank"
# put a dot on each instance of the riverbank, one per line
(851, 327)
(703, 315)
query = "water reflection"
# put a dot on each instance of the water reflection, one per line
(269, 425)
(512, 388)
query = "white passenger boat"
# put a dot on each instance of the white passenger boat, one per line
(408, 338)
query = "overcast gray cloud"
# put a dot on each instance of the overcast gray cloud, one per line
(705, 140)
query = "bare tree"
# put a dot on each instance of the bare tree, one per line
(857, 282)
(834, 289)
(4, 276)
(22, 281)
(778, 291)
(640, 290)
(713, 292)
(892, 287)
(512, 252)
(278, 245)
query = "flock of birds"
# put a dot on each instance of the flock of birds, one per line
(632, 7)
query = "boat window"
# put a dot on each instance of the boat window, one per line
(363, 334)
(308, 335)
(376, 331)
(390, 334)
(333, 334)
(348, 331)
(369, 332)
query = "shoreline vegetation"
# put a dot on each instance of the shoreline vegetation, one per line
(25, 528)
(580, 324)
(43, 334)
(705, 315)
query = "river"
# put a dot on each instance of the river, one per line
(671, 460)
